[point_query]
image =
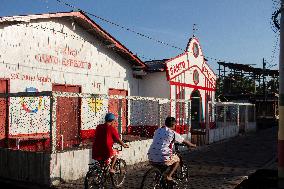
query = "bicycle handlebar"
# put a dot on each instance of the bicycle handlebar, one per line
(117, 147)
(179, 144)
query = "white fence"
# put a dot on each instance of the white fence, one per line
(40, 121)
(232, 119)
(37, 121)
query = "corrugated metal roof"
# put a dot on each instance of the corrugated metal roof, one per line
(248, 68)
(156, 65)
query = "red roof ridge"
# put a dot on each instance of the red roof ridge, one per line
(79, 14)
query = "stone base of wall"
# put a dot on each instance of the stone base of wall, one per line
(51, 169)
(222, 133)
(25, 166)
(73, 165)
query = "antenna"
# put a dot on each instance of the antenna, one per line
(194, 29)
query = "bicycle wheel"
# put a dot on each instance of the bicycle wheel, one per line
(120, 173)
(94, 178)
(182, 173)
(152, 179)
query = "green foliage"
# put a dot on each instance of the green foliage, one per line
(234, 84)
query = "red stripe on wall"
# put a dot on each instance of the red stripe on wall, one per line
(281, 153)
(170, 100)
(87, 134)
(192, 86)
(205, 102)
(30, 136)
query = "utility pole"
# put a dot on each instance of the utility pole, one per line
(263, 77)
(281, 103)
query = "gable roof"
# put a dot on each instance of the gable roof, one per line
(84, 21)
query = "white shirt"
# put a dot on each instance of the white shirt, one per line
(161, 148)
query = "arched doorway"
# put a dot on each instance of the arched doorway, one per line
(198, 133)
(195, 109)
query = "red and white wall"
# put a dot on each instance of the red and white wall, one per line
(188, 73)
(185, 74)
(55, 52)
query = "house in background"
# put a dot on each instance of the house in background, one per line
(184, 77)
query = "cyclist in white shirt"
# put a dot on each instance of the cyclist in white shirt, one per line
(161, 148)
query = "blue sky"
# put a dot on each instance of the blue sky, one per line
(230, 30)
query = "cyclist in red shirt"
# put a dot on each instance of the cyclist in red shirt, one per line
(106, 134)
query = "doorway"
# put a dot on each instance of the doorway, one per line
(114, 106)
(4, 111)
(195, 109)
(68, 117)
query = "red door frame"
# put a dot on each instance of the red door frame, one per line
(4, 142)
(78, 111)
(124, 115)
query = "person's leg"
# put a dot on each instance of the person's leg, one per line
(174, 163)
(173, 168)
(113, 160)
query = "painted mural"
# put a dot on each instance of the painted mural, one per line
(29, 115)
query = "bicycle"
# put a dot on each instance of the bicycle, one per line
(154, 177)
(98, 174)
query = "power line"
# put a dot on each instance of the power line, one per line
(105, 20)
(131, 30)
(122, 27)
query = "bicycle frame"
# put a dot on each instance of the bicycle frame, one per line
(179, 174)
(99, 172)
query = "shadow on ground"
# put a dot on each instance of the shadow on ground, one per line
(261, 179)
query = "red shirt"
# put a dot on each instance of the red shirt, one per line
(105, 136)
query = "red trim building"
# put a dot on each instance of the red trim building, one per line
(69, 52)
(185, 77)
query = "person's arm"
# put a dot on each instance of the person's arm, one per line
(178, 138)
(122, 143)
(188, 143)
(117, 138)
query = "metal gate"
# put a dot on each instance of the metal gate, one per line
(68, 117)
(115, 105)
(3, 111)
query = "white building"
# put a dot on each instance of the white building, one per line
(185, 77)
(68, 52)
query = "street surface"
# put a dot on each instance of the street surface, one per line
(222, 165)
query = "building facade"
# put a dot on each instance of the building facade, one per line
(64, 52)
(185, 77)
(68, 52)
